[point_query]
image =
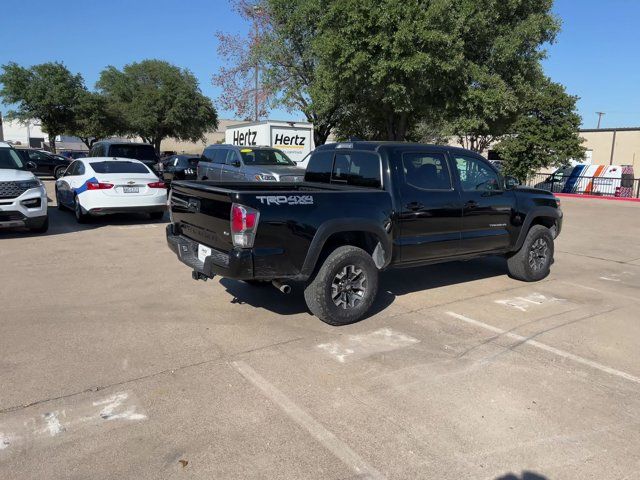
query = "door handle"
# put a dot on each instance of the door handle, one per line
(415, 206)
(471, 204)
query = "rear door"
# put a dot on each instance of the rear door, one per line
(232, 170)
(430, 210)
(486, 206)
(210, 166)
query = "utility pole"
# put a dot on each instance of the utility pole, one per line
(600, 114)
(257, 10)
(255, 92)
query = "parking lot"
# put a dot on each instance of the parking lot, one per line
(115, 364)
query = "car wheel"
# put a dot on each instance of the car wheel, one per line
(81, 217)
(57, 173)
(156, 215)
(344, 288)
(58, 201)
(533, 261)
(42, 227)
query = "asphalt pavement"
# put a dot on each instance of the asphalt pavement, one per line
(114, 363)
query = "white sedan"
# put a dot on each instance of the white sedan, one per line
(100, 186)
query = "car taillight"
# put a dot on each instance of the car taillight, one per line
(99, 186)
(156, 185)
(244, 223)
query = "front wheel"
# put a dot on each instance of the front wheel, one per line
(533, 261)
(344, 287)
(57, 173)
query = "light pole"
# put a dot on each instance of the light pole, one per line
(257, 10)
(600, 114)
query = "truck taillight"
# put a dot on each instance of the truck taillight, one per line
(244, 223)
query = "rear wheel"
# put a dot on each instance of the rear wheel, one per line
(58, 202)
(344, 287)
(57, 173)
(81, 217)
(533, 261)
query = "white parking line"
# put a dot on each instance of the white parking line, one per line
(332, 443)
(547, 348)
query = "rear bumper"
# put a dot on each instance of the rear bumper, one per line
(236, 264)
(142, 209)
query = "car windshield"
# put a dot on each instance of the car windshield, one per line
(10, 160)
(137, 152)
(264, 156)
(119, 167)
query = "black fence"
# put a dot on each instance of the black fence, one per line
(624, 186)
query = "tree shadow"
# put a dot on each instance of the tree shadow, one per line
(393, 283)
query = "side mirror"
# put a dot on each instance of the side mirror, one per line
(31, 165)
(511, 182)
(236, 163)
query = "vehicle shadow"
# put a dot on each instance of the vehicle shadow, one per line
(62, 222)
(525, 476)
(393, 283)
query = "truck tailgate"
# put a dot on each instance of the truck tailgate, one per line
(202, 215)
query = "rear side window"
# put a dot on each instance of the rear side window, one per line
(119, 167)
(428, 171)
(319, 168)
(360, 169)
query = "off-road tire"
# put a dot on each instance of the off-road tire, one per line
(526, 264)
(319, 291)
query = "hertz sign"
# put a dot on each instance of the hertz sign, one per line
(296, 140)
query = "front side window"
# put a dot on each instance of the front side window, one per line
(264, 156)
(476, 175)
(428, 171)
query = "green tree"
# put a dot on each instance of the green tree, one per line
(546, 134)
(502, 49)
(95, 118)
(389, 62)
(48, 92)
(158, 100)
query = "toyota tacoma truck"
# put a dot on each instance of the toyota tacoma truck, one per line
(363, 207)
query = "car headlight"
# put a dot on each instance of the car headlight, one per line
(27, 184)
(263, 177)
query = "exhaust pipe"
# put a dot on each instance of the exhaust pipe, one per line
(284, 288)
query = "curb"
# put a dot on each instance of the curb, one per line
(597, 197)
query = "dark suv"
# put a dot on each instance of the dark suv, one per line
(137, 151)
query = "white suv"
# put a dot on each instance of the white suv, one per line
(23, 198)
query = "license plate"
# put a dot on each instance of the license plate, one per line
(131, 189)
(203, 252)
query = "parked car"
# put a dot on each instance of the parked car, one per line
(363, 207)
(136, 151)
(179, 167)
(105, 185)
(230, 163)
(46, 163)
(23, 197)
(607, 180)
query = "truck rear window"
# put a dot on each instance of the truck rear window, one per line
(360, 169)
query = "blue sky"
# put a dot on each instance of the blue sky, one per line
(596, 54)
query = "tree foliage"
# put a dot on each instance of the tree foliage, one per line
(95, 118)
(545, 135)
(157, 100)
(48, 92)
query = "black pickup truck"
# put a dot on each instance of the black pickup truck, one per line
(363, 207)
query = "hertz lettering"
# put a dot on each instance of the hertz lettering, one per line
(286, 200)
(282, 139)
(247, 138)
